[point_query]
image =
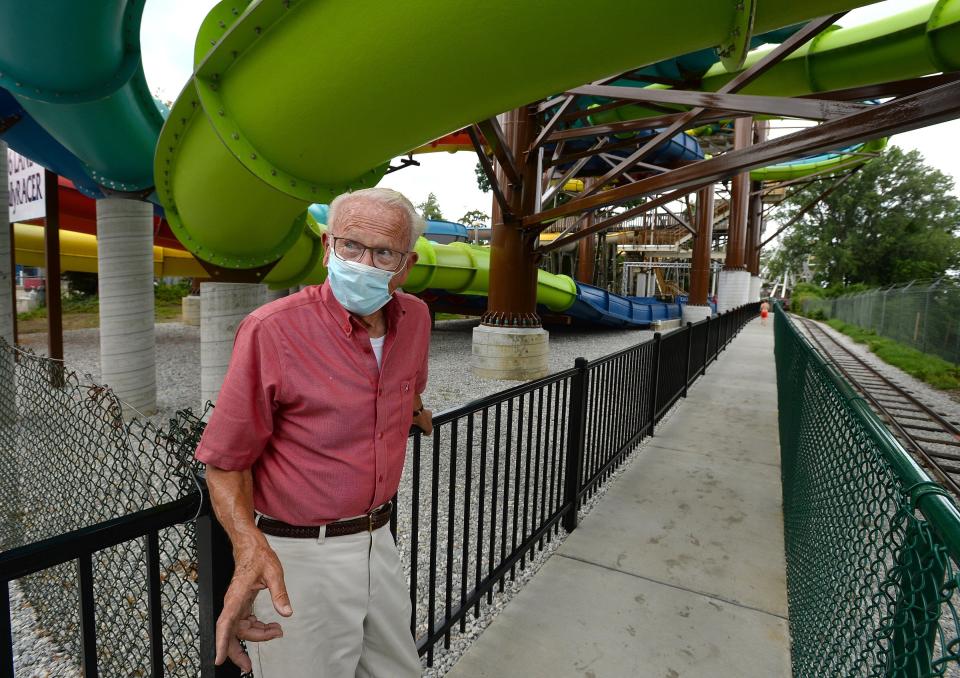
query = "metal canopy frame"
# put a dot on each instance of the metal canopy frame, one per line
(528, 179)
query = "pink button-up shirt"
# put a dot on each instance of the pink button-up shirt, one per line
(306, 408)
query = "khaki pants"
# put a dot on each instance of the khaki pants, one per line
(351, 611)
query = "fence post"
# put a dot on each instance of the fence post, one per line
(686, 364)
(706, 346)
(655, 380)
(926, 314)
(214, 571)
(576, 438)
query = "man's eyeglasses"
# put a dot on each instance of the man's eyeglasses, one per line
(382, 258)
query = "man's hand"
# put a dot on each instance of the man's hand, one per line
(256, 568)
(424, 421)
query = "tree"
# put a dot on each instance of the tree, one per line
(483, 182)
(430, 208)
(894, 221)
(475, 219)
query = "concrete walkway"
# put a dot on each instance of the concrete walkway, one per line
(679, 569)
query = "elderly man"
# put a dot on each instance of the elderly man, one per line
(305, 449)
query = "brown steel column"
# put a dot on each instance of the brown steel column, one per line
(512, 301)
(586, 255)
(51, 242)
(702, 245)
(755, 221)
(739, 201)
(13, 281)
(587, 247)
(754, 228)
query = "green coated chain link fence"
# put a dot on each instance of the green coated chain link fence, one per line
(924, 315)
(872, 544)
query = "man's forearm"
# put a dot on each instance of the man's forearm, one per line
(231, 494)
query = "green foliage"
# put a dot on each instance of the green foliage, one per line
(475, 218)
(803, 291)
(82, 283)
(928, 368)
(73, 303)
(896, 220)
(483, 182)
(430, 208)
(171, 294)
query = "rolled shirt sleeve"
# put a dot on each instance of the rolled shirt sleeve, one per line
(243, 420)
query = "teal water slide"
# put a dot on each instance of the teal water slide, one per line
(293, 102)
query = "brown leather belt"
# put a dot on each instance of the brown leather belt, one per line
(376, 519)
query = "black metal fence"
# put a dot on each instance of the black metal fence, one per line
(495, 483)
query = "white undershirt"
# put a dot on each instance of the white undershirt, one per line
(377, 345)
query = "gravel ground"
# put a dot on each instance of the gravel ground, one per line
(451, 384)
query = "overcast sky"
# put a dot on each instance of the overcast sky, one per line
(167, 36)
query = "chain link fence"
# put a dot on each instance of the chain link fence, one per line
(68, 461)
(924, 315)
(872, 544)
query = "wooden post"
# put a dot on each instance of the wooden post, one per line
(51, 240)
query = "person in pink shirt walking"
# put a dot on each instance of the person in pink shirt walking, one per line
(305, 449)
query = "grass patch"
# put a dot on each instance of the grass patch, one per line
(931, 369)
(82, 311)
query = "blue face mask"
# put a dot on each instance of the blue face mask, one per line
(359, 288)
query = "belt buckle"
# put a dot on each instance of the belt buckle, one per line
(370, 522)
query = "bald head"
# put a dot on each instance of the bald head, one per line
(381, 210)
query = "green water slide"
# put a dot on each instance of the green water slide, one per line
(295, 101)
(275, 118)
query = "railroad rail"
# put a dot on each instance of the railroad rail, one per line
(927, 434)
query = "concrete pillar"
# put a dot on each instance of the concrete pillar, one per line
(510, 343)
(222, 307)
(128, 361)
(756, 283)
(7, 305)
(733, 289)
(272, 295)
(190, 310)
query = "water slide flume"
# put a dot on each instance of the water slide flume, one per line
(265, 126)
(78, 252)
(236, 172)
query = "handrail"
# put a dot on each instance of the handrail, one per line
(31, 558)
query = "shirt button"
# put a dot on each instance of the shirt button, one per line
(380, 479)
(380, 435)
(380, 391)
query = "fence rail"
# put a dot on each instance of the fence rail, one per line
(872, 544)
(924, 315)
(529, 456)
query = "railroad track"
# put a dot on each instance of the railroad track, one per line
(933, 439)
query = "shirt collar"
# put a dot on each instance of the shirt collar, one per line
(346, 320)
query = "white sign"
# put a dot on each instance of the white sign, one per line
(26, 188)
